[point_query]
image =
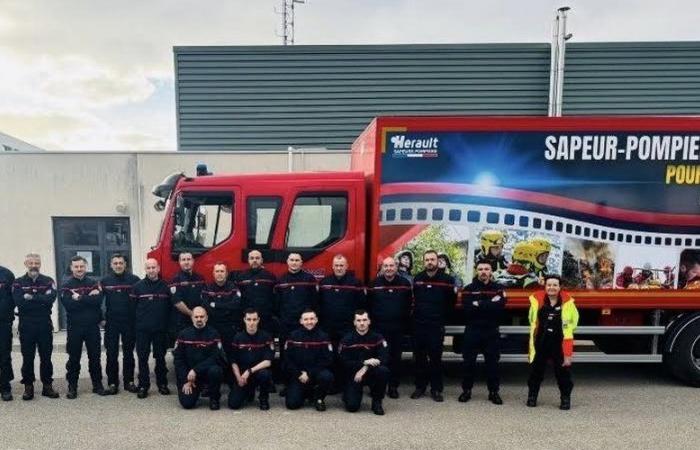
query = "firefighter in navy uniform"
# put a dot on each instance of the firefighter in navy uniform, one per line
(250, 356)
(307, 360)
(364, 354)
(224, 305)
(340, 295)
(296, 291)
(82, 299)
(389, 302)
(186, 292)
(483, 301)
(120, 315)
(434, 298)
(196, 356)
(257, 287)
(34, 295)
(7, 316)
(152, 297)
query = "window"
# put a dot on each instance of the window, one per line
(536, 223)
(523, 221)
(668, 241)
(318, 221)
(406, 214)
(262, 215)
(628, 238)
(509, 219)
(492, 217)
(560, 227)
(569, 228)
(679, 241)
(577, 230)
(603, 234)
(438, 214)
(688, 242)
(657, 241)
(202, 221)
(548, 224)
(612, 236)
(637, 239)
(473, 216)
(587, 232)
(455, 215)
(390, 215)
(422, 214)
(595, 233)
(647, 240)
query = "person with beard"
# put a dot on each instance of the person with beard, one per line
(7, 317)
(434, 296)
(34, 295)
(483, 301)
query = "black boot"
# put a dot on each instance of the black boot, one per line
(163, 389)
(214, 404)
(532, 398)
(565, 404)
(72, 391)
(6, 395)
(112, 390)
(264, 404)
(377, 407)
(495, 398)
(465, 396)
(28, 391)
(437, 396)
(418, 393)
(98, 388)
(131, 387)
(142, 393)
(393, 392)
(48, 391)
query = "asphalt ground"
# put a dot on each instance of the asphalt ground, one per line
(614, 406)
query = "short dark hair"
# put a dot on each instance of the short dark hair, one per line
(117, 255)
(430, 251)
(360, 312)
(552, 276)
(78, 258)
(250, 311)
(184, 253)
(307, 311)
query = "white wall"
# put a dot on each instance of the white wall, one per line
(38, 186)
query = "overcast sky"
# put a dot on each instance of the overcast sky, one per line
(98, 75)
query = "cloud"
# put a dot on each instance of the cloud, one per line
(98, 74)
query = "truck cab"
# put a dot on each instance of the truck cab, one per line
(222, 218)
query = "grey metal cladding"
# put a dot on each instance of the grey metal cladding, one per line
(270, 97)
(659, 78)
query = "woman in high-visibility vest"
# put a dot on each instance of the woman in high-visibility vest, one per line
(553, 319)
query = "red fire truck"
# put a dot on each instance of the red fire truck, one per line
(611, 204)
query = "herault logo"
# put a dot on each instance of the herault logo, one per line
(407, 147)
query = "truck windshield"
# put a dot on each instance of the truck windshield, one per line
(202, 221)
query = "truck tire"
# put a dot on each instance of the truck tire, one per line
(684, 359)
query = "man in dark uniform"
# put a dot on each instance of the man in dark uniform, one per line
(257, 287)
(364, 354)
(186, 291)
(390, 298)
(224, 306)
(197, 356)
(34, 295)
(7, 316)
(340, 295)
(82, 299)
(434, 299)
(296, 291)
(308, 358)
(120, 317)
(483, 301)
(250, 356)
(152, 297)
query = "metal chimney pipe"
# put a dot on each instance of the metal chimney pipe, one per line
(561, 59)
(553, 66)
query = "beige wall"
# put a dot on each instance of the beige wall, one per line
(38, 186)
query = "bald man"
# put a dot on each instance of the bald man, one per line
(390, 298)
(152, 298)
(257, 287)
(197, 356)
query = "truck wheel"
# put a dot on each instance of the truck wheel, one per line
(684, 360)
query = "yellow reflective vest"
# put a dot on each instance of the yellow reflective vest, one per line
(569, 321)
